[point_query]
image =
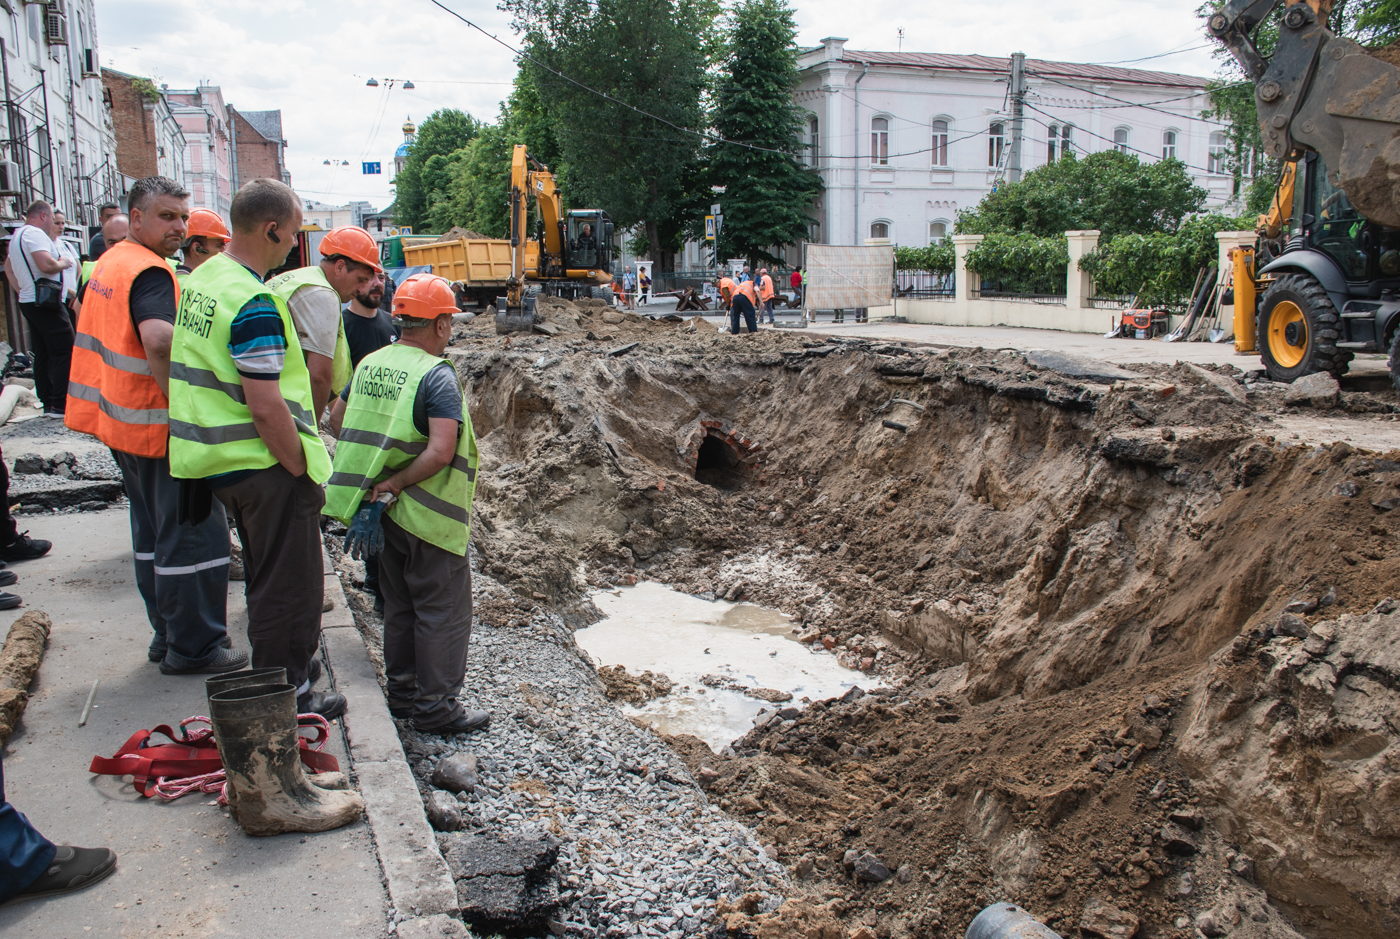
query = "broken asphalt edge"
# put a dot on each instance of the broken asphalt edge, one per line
(415, 873)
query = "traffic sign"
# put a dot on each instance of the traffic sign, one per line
(370, 169)
(709, 228)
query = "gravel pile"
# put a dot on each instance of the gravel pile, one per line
(643, 852)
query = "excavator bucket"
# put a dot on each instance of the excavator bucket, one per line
(519, 320)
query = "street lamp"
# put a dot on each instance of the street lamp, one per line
(373, 83)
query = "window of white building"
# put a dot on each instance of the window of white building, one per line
(813, 142)
(879, 229)
(937, 231)
(880, 142)
(996, 143)
(1169, 145)
(940, 143)
(1058, 144)
(1219, 146)
(1120, 139)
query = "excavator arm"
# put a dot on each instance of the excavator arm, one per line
(1273, 223)
(1318, 92)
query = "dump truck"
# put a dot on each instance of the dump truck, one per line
(568, 254)
(1329, 286)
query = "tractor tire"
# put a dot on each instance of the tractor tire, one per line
(1298, 329)
(1395, 361)
(604, 293)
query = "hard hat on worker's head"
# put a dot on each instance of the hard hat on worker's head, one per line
(353, 243)
(421, 299)
(206, 223)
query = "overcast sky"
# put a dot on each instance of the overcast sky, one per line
(311, 59)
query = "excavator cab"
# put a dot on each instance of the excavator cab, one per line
(589, 234)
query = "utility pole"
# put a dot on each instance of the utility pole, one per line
(1018, 101)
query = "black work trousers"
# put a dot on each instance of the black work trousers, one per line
(278, 517)
(742, 305)
(427, 625)
(51, 342)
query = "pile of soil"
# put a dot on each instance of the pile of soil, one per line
(1044, 564)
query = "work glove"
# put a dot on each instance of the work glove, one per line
(366, 535)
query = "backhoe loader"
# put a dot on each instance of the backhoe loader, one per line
(1330, 244)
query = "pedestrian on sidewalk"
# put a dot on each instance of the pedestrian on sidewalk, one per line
(120, 393)
(35, 268)
(410, 441)
(369, 329)
(32, 866)
(765, 296)
(205, 236)
(796, 282)
(644, 286)
(65, 251)
(100, 241)
(241, 423)
(314, 294)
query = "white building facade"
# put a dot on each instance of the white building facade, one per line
(903, 141)
(60, 135)
(326, 217)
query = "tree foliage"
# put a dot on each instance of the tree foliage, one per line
(1161, 267)
(428, 170)
(646, 54)
(1109, 191)
(768, 193)
(1021, 263)
(937, 259)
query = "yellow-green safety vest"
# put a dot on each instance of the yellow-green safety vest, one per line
(211, 428)
(377, 439)
(284, 285)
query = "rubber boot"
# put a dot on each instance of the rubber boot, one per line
(244, 679)
(256, 728)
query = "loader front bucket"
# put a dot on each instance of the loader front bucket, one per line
(521, 320)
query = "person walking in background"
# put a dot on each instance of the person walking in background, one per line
(414, 450)
(65, 251)
(369, 329)
(644, 291)
(35, 269)
(205, 236)
(629, 283)
(241, 423)
(32, 866)
(100, 241)
(119, 393)
(744, 275)
(796, 282)
(765, 296)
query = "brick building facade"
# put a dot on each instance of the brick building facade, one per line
(259, 150)
(149, 139)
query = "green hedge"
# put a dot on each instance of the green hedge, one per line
(938, 259)
(1159, 268)
(1022, 263)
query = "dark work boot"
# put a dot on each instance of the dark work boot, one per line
(24, 548)
(71, 869)
(328, 704)
(464, 723)
(256, 728)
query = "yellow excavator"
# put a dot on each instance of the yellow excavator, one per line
(1330, 243)
(569, 254)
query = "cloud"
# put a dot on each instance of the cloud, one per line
(311, 59)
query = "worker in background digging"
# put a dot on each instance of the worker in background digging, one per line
(119, 392)
(206, 236)
(404, 474)
(742, 299)
(349, 261)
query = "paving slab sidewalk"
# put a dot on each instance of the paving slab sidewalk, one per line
(185, 867)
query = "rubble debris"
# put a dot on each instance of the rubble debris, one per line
(503, 884)
(19, 661)
(637, 690)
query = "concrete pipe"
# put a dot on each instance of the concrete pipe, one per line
(1007, 921)
(8, 399)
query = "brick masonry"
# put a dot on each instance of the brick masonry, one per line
(257, 156)
(133, 124)
(750, 453)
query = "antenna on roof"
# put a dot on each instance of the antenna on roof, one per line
(901, 39)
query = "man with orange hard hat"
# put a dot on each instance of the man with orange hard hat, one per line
(205, 236)
(314, 294)
(403, 478)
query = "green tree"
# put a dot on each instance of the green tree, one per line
(420, 184)
(648, 55)
(1110, 191)
(768, 193)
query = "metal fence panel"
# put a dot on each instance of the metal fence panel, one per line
(849, 277)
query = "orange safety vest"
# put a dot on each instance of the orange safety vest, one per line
(746, 289)
(765, 287)
(112, 394)
(726, 290)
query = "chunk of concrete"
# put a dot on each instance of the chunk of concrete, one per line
(1081, 367)
(1318, 390)
(438, 926)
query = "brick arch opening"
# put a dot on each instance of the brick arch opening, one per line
(723, 457)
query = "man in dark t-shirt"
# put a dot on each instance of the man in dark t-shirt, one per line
(368, 327)
(98, 244)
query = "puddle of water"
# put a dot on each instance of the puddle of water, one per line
(650, 626)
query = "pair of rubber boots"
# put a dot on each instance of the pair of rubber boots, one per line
(254, 716)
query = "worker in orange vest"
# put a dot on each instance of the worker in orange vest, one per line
(765, 294)
(118, 392)
(741, 299)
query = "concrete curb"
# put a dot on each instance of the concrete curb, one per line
(417, 876)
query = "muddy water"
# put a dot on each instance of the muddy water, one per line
(651, 627)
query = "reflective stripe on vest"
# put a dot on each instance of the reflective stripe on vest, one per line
(211, 428)
(112, 394)
(378, 438)
(284, 285)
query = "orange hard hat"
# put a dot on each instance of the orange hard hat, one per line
(423, 297)
(353, 243)
(206, 222)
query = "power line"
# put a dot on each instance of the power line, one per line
(1124, 101)
(1117, 145)
(703, 135)
(1160, 55)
